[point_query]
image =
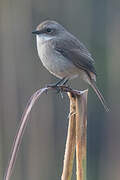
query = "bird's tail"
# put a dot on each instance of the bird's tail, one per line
(100, 96)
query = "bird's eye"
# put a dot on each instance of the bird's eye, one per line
(49, 30)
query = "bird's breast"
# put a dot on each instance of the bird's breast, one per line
(55, 62)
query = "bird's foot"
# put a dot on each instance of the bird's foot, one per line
(58, 84)
(55, 86)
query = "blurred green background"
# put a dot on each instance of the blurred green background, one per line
(97, 24)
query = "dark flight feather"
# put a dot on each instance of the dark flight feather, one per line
(76, 52)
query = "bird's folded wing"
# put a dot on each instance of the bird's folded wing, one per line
(76, 53)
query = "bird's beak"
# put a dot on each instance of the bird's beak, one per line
(36, 32)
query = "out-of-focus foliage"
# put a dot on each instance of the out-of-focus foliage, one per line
(97, 25)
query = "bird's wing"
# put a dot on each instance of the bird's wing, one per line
(77, 53)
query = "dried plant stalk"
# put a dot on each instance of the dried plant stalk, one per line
(20, 133)
(71, 140)
(81, 135)
(77, 100)
(77, 133)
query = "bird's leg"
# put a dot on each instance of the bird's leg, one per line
(57, 85)
(64, 81)
(61, 81)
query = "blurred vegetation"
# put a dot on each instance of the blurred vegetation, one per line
(97, 24)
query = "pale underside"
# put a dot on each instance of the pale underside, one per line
(56, 63)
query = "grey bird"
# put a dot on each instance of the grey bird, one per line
(65, 56)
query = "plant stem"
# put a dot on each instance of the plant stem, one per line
(81, 135)
(71, 140)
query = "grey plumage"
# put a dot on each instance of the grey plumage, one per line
(76, 53)
(64, 55)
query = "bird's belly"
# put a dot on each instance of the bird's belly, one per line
(57, 64)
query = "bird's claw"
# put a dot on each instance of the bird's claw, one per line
(57, 88)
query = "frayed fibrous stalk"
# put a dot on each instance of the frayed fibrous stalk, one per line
(76, 133)
(76, 137)
(81, 135)
(71, 139)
